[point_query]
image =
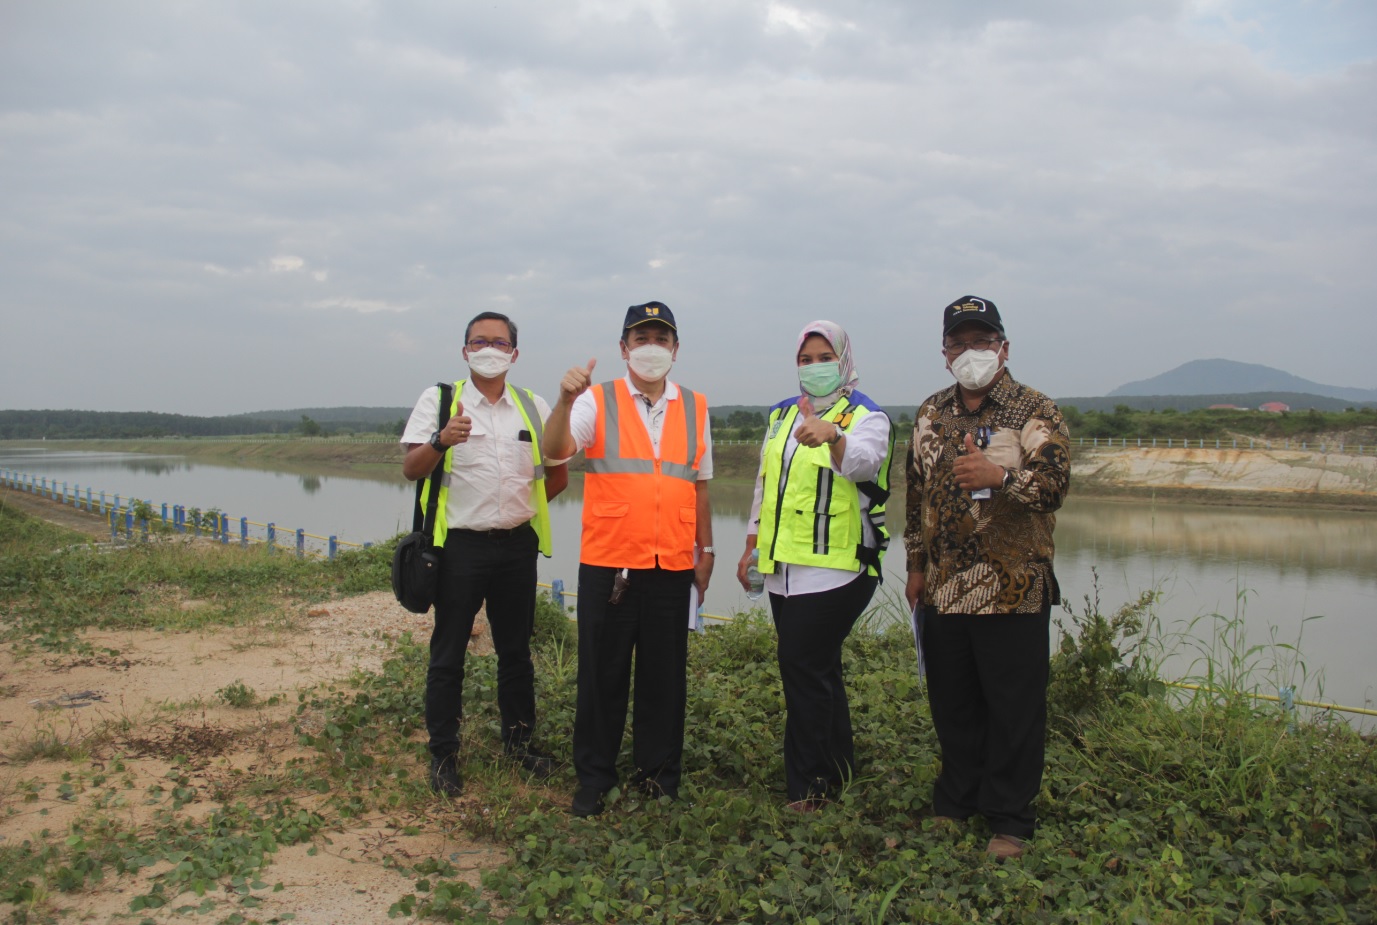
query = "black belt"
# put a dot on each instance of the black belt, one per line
(493, 534)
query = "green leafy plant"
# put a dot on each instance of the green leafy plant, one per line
(1098, 658)
(237, 694)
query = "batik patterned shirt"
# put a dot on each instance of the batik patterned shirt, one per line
(987, 556)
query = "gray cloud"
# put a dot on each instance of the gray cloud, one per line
(301, 204)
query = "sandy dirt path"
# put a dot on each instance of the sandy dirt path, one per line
(146, 697)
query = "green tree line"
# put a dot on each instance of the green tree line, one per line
(1124, 421)
(127, 425)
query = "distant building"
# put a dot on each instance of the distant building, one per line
(1274, 406)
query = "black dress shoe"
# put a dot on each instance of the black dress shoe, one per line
(444, 776)
(587, 802)
(536, 763)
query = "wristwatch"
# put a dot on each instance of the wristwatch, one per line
(837, 436)
(708, 550)
(435, 443)
(1008, 477)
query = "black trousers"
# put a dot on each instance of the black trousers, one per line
(819, 754)
(651, 624)
(987, 685)
(500, 570)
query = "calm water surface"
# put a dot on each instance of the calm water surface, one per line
(1276, 569)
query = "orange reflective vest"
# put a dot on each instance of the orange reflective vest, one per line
(639, 511)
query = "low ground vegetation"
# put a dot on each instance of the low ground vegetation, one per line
(1206, 811)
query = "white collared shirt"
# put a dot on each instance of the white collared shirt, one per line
(583, 421)
(492, 472)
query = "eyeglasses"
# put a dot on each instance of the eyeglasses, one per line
(956, 348)
(478, 343)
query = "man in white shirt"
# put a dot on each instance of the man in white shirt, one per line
(647, 539)
(492, 521)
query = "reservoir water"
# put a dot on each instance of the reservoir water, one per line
(1289, 574)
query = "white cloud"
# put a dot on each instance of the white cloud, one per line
(811, 26)
(287, 264)
(362, 306)
(402, 342)
(752, 164)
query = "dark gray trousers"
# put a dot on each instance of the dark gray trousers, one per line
(987, 684)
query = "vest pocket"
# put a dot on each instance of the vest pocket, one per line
(835, 528)
(610, 509)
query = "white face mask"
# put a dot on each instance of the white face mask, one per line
(976, 369)
(489, 362)
(651, 362)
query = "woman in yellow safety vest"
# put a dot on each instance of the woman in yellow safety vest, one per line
(817, 534)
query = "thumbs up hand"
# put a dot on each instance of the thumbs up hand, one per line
(813, 431)
(973, 469)
(458, 429)
(576, 381)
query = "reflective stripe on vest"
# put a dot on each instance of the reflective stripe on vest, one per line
(803, 526)
(613, 461)
(639, 512)
(530, 416)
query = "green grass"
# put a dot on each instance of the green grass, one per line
(53, 583)
(1204, 811)
(1207, 812)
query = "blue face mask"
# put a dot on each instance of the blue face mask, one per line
(819, 379)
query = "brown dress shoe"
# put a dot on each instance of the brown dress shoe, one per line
(1005, 847)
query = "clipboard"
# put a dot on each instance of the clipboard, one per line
(917, 620)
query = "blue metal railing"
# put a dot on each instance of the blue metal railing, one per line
(127, 514)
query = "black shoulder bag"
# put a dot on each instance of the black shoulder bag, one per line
(416, 563)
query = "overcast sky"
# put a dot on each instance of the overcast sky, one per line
(221, 207)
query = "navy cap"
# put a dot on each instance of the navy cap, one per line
(971, 308)
(650, 311)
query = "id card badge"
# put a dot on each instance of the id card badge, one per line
(982, 442)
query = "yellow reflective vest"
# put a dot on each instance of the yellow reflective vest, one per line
(525, 403)
(810, 515)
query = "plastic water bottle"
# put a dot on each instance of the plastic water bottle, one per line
(754, 578)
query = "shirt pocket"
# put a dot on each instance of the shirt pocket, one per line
(516, 457)
(611, 509)
(1005, 449)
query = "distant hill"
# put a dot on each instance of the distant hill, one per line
(1228, 377)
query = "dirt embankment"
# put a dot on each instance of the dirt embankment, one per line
(1282, 477)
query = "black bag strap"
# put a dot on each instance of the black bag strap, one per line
(425, 520)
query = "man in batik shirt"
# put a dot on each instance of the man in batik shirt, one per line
(987, 469)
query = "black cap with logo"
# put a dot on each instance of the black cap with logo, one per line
(650, 311)
(971, 308)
